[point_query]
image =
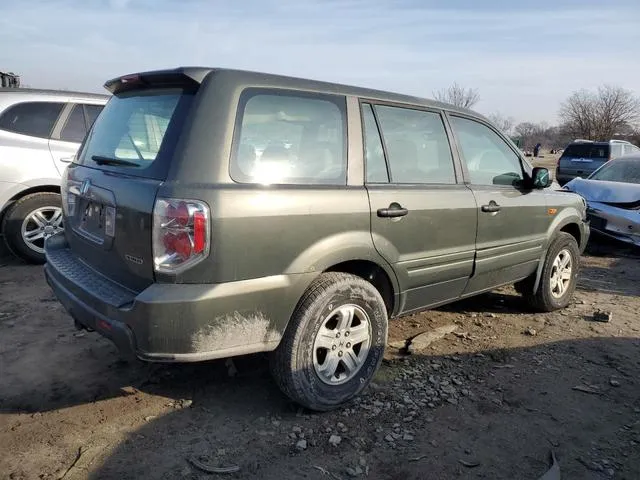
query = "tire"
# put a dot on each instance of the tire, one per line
(548, 297)
(296, 363)
(42, 207)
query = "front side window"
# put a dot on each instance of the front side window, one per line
(488, 157)
(31, 118)
(290, 138)
(417, 146)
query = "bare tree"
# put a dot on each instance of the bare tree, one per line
(503, 123)
(526, 131)
(458, 96)
(600, 115)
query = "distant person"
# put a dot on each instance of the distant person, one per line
(536, 149)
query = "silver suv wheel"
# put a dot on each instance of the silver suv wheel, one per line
(39, 225)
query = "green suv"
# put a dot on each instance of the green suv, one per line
(211, 213)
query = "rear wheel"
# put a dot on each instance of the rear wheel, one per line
(334, 342)
(29, 222)
(559, 275)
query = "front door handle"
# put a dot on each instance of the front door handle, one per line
(394, 210)
(491, 208)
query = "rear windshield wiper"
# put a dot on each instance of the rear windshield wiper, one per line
(100, 160)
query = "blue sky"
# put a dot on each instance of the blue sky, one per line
(524, 57)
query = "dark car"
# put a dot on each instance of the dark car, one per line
(212, 213)
(583, 157)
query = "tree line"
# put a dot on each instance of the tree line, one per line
(608, 112)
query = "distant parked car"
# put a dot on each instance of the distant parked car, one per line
(583, 157)
(40, 132)
(613, 198)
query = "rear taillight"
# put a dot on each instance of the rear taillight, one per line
(181, 235)
(68, 197)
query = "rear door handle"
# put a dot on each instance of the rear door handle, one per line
(394, 210)
(491, 208)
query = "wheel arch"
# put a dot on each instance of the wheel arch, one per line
(568, 223)
(374, 274)
(46, 188)
(351, 252)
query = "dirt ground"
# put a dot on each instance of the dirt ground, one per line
(491, 400)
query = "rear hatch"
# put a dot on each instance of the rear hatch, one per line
(581, 159)
(110, 190)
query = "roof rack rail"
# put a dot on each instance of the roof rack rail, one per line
(582, 140)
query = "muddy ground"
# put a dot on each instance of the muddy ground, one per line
(490, 400)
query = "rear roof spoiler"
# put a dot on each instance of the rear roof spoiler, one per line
(183, 76)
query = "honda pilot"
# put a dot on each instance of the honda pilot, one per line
(211, 213)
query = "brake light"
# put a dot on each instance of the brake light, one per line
(68, 198)
(181, 234)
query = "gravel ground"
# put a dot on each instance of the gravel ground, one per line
(496, 390)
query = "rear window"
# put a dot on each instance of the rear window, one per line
(587, 151)
(31, 118)
(290, 138)
(137, 131)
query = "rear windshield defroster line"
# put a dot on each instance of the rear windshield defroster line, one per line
(137, 132)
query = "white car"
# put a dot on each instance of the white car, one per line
(40, 132)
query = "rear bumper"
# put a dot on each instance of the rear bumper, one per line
(175, 322)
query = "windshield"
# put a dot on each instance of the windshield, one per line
(625, 171)
(587, 150)
(133, 131)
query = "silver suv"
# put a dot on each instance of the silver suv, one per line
(40, 132)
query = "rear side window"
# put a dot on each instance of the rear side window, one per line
(417, 146)
(91, 112)
(135, 129)
(74, 129)
(31, 118)
(290, 138)
(375, 163)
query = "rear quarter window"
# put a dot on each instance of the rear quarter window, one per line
(286, 137)
(31, 118)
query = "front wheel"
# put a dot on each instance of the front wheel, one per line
(29, 222)
(559, 275)
(333, 344)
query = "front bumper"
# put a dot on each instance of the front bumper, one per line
(175, 322)
(615, 222)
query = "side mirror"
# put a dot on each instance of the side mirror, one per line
(540, 177)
